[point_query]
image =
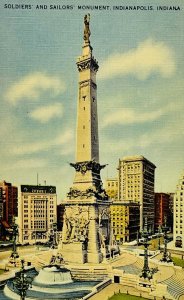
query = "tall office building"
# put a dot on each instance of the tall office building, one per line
(136, 183)
(178, 226)
(37, 213)
(170, 217)
(111, 188)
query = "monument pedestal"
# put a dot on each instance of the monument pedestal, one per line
(74, 252)
(81, 240)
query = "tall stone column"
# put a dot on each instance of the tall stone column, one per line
(81, 222)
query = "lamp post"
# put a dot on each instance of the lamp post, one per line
(55, 235)
(14, 253)
(146, 272)
(159, 236)
(165, 257)
(54, 242)
(22, 282)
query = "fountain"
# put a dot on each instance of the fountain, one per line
(53, 275)
(52, 282)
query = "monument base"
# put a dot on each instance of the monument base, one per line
(95, 258)
(74, 252)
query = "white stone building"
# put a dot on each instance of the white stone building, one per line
(37, 213)
(178, 212)
(136, 183)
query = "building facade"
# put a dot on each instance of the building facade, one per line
(60, 216)
(37, 213)
(162, 201)
(178, 210)
(125, 221)
(170, 218)
(136, 183)
(111, 188)
(8, 206)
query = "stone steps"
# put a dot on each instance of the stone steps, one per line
(129, 280)
(87, 274)
(175, 285)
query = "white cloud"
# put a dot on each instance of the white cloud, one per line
(65, 138)
(30, 148)
(27, 164)
(168, 134)
(130, 116)
(46, 113)
(148, 58)
(67, 150)
(32, 85)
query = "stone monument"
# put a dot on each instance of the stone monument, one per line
(86, 218)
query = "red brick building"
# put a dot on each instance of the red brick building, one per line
(162, 201)
(8, 205)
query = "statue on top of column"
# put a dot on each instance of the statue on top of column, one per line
(87, 32)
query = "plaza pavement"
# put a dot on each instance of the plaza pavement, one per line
(33, 254)
(167, 274)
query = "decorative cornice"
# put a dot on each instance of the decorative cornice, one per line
(85, 166)
(89, 63)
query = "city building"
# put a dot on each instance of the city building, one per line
(60, 216)
(37, 213)
(161, 209)
(1, 212)
(170, 218)
(8, 206)
(178, 226)
(111, 188)
(136, 183)
(86, 217)
(1, 203)
(125, 221)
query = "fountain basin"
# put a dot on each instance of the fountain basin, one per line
(52, 282)
(53, 275)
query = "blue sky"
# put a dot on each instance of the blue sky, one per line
(140, 89)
